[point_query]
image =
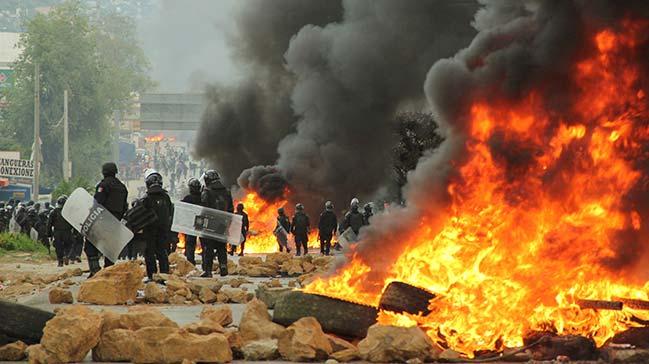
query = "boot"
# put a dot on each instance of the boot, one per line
(93, 264)
(223, 269)
(60, 263)
(66, 261)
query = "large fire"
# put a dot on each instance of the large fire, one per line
(512, 253)
(263, 220)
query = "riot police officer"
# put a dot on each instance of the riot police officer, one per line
(215, 196)
(368, 212)
(327, 227)
(245, 226)
(194, 198)
(112, 194)
(353, 219)
(300, 229)
(156, 234)
(283, 223)
(61, 231)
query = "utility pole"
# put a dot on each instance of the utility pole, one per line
(117, 116)
(67, 172)
(36, 150)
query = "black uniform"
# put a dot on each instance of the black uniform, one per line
(61, 231)
(367, 214)
(112, 194)
(190, 240)
(300, 231)
(245, 226)
(353, 219)
(216, 196)
(41, 227)
(156, 234)
(326, 228)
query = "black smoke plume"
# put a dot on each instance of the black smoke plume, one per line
(242, 124)
(352, 77)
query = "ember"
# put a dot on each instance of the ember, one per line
(518, 250)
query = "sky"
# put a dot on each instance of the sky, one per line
(186, 42)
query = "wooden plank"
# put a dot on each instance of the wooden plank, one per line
(600, 305)
(633, 303)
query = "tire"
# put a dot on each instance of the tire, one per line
(402, 297)
(23, 322)
(336, 316)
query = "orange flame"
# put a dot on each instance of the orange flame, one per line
(511, 255)
(182, 242)
(263, 220)
(159, 138)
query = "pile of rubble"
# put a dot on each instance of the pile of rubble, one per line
(13, 285)
(121, 283)
(144, 335)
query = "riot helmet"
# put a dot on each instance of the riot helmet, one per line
(211, 176)
(109, 169)
(299, 207)
(194, 185)
(329, 206)
(62, 200)
(153, 178)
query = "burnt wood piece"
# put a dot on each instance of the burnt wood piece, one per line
(550, 347)
(402, 297)
(336, 316)
(22, 322)
(600, 305)
(633, 303)
(636, 336)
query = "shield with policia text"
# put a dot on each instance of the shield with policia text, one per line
(207, 223)
(96, 224)
(347, 237)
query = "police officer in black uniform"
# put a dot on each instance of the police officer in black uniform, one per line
(327, 227)
(112, 194)
(300, 229)
(245, 226)
(353, 218)
(156, 234)
(61, 231)
(194, 198)
(285, 223)
(368, 212)
(215, 196)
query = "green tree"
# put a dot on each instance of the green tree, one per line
(100, 64)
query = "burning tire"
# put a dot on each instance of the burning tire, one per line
(402, 297)
(20, 322)
(336, 316)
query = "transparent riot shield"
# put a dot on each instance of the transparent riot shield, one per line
(33, 234)
(96, 224)
(13, 226)
(207, 223)
(347, 237)
(282, 235)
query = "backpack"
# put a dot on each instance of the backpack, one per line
(161, 205)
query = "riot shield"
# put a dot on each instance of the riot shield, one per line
(96, 224)
(33, 234)
(13, 226)
(282, 235)
(207, 223)
(347, 237)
